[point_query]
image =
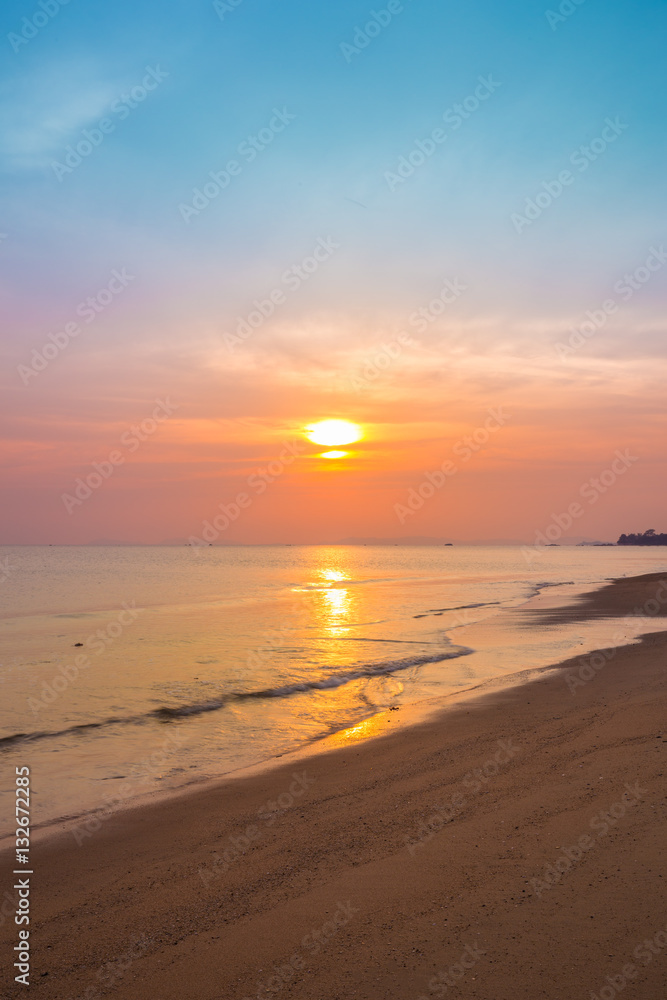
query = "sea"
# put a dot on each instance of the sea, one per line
(128, 671)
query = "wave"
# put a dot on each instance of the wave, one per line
(332, 681)
(167, 712)
(534, 589)
(458, 607)
(8, 741)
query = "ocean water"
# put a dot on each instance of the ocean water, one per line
(126, 670)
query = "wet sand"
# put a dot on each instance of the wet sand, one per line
(510, 848)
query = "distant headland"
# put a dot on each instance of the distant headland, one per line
(646, 538)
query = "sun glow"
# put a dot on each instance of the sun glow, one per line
(334, 432)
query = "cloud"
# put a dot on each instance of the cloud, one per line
(39, 114)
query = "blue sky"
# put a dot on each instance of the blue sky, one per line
(353, 122)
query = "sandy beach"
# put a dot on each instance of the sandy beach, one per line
(509, 848)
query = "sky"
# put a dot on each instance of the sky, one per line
(223, 222)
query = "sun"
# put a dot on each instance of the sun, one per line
(334, 432)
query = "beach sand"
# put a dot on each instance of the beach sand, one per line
(475, 841)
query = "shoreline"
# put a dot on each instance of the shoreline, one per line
(415, 713)
(390, 852)
(422, 709)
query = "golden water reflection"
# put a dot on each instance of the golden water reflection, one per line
(333, 575)
(335, 605)
(336, 601)
(374, 726)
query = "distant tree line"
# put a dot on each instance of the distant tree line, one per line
(646, 538)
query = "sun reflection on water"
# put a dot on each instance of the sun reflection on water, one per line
(336, 602)
(333, 575)
(374, 726)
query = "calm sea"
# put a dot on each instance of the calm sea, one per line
(143, 668)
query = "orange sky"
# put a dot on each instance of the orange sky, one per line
(518, 438)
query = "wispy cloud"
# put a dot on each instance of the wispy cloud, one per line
(40, 114)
